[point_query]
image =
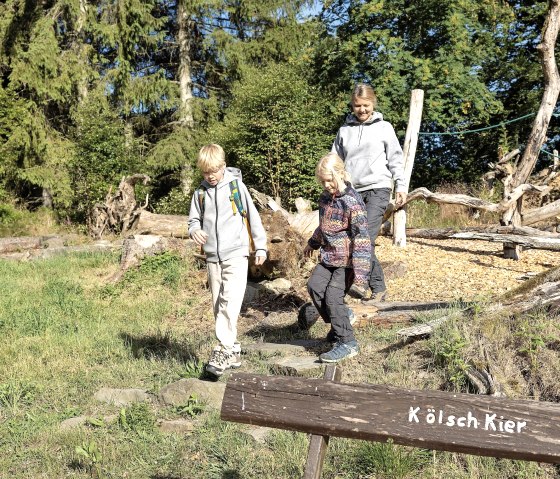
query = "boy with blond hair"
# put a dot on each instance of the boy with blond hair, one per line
(222, 220)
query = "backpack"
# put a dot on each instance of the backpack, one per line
(236, 203)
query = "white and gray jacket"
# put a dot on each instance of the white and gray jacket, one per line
(227, 233)
(371, 153)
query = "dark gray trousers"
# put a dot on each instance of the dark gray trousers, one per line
(376, 202)
(327, 287)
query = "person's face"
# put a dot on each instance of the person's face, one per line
(362, 108)
(213, 177)
(329, 182)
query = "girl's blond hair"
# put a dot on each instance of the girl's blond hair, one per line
(211, 157)
(363, 90)
(332, 164)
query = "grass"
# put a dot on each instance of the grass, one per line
(66, 333)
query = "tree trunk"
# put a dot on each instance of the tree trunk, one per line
(409, 151)
(175, 226)
(185, 82)
(542, 120)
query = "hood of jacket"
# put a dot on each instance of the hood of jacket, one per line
(352, 120)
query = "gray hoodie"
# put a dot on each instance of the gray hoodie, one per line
(227, 234)
(371, 153)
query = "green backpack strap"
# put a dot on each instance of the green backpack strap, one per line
(235, 198)
(237, 204)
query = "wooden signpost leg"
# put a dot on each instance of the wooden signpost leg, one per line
(318, 444)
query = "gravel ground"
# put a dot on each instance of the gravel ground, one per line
(458, 269)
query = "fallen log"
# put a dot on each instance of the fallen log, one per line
(522, 236)
(444, 233)
(175, 226)
(540, 214)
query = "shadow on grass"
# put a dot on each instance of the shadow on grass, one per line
(229, 474)
(158, 346)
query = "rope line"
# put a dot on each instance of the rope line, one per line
(548, 153)
(457, 133)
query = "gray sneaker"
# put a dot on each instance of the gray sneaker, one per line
(340, 351)
(221, 359)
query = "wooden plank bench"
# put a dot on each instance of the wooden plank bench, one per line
(466, 423)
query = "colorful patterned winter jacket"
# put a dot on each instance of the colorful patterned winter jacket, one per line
(342, 234)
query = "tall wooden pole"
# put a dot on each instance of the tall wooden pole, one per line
(409, 152)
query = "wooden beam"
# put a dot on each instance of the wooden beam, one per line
(486, 426)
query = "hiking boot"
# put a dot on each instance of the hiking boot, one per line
(378, 297)
(221, 359)
(340, 351)
(236, 362)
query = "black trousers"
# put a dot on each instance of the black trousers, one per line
(327, 287)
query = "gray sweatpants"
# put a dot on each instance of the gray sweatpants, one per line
(376, 202)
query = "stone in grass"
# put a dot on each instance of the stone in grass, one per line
(307, 366)
(179, 392)
(75, 422)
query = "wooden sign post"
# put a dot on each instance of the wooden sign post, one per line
(486, 426)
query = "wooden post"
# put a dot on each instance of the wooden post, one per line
(318, 444)
(409, 151)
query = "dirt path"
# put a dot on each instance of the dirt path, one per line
(453, 269)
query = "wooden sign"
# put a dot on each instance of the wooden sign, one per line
(481, 425)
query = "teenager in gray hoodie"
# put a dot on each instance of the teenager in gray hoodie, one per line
(224, 221)
(374, 158)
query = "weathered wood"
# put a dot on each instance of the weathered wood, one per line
(471, 201)
(550, 94)
(545, 240)
(546, 50)
(527, 242)
(421, 330)
(445, 233)
(175, 226)
(120, 211)
(536, 215)
(409, 152)
(137, 247)
(318, 444)
(487, 426)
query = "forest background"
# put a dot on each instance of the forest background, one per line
(92, 90)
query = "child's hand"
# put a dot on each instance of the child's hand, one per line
(308, 251)
(259, 260)
(199, 237)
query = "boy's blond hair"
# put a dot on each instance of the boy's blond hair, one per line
(211, 157)
(332, 164)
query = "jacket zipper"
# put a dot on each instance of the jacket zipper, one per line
(216, 224)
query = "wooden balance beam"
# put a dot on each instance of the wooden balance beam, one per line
(465, 423)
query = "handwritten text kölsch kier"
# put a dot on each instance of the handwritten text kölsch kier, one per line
(490, 422)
